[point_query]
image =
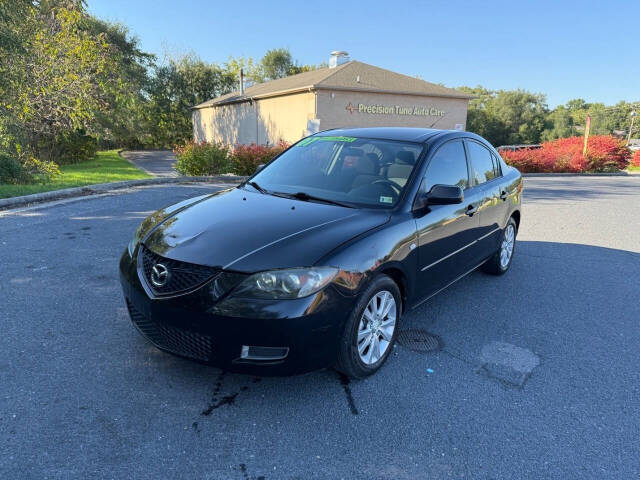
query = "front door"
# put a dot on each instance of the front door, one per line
(446, 233)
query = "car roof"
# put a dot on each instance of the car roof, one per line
(407, 134)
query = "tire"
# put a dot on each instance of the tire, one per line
(496, 265)
(358, 329)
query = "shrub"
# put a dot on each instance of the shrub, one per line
(246, 158)
(202, 158)
(635, 159)
(31, 171)
(604, 154)
(10, 169)
(39, 171)
(77, 147)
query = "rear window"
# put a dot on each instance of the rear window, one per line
(483, 167)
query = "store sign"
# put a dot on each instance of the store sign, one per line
(377, 109)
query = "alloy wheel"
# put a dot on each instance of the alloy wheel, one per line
(506, 249)
(376, 328)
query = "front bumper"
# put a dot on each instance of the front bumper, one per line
(197, 326)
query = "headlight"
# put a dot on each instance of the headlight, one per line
(135, 240)
(290, 283)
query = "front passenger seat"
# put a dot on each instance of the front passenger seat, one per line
(399, 171)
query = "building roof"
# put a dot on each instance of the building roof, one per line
(352, 76)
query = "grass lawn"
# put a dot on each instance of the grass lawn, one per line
(107, 166)
(635, 169)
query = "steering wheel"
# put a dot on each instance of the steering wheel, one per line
(391, 183)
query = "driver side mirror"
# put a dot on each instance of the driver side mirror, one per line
(440, 195)
(259, 167)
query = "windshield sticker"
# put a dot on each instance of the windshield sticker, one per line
(386, 199)
(310, 140)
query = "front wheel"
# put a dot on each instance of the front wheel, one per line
(371, 330)
(500, 262)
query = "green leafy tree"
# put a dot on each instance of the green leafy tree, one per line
(252, 70)
(176, 87)
(506, 116)
(559, 124)
(123, 124)
(59, 79)
(277, 63)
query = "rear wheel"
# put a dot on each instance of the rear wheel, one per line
(500, 262)
(371, 329)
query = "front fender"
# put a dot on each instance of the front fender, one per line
(390, 247)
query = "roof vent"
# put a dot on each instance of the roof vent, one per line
(338, 57)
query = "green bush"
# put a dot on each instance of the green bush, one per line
(11, 170)
(39, 171)
(31, 171)
(202, 159)
(77, 147)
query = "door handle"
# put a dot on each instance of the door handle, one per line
(471, 209)
(503, 195)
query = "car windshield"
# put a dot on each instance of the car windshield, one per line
(354, 171)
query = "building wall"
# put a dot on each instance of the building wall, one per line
(286, 118)
(264, 121)
(389, 110)
(229, 124)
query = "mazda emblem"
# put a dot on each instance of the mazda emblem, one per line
(159, 275)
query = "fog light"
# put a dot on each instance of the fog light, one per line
(263, 353)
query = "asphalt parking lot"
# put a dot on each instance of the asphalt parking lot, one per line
(84, 396)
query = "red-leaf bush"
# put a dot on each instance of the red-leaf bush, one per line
(604, 154)
(202, 158)
(635, 159)
(246, 158)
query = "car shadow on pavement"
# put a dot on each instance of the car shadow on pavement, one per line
(555, 301)
(80, 384)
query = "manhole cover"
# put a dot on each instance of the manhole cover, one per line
(418, 340)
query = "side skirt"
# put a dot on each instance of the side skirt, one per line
(448, 285)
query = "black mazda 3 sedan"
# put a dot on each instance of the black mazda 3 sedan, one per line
(312, 261)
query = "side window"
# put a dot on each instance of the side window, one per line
(482, 163)
(448, 166)
(496, 166)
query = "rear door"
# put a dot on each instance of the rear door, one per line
(446, 233)
(487, 176)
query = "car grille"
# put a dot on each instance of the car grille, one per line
(182, 276)
(174, 340)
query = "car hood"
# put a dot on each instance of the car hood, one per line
(245, 231)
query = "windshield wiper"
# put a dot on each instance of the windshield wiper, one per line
(257, 187)
(304, 196)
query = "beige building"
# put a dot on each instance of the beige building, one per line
(352, 94)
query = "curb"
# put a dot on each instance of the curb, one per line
(88, 190)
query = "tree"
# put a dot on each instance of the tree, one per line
(277, 63)
(63, 76)
(559, 125)
(176, 87)
(506, 116)
(123, 124)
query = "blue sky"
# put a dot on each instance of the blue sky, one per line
(565, 49)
